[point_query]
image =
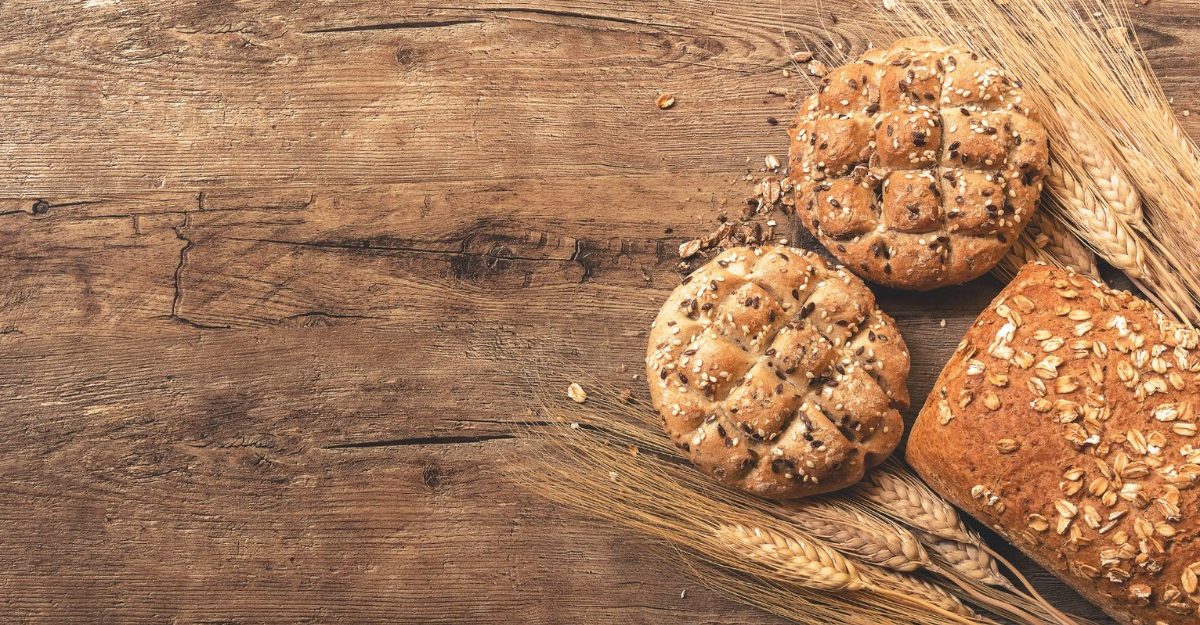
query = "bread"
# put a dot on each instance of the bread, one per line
(1066, 420)
(918, 165)
(777, 374)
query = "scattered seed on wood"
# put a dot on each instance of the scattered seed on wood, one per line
(665, 101)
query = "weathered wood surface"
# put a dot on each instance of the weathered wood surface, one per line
(274, 277)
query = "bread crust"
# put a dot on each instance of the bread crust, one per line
(1066, 421)
(918, 165)
(778, 374)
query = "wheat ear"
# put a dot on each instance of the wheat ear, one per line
(917, 587)
(1095, 223)
(1053, 237)
(793, 558)
(911, 503)
(868, 538)
(1189, 147)
(1113, 183)
(970, 561)
(1023, 251)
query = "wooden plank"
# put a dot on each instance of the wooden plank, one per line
(118, 100)
(309, 435)
(277, 278)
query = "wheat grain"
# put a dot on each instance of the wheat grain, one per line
(794, 558)
(917, 587)
(868, 538)
(1113, 184)
(911, 502)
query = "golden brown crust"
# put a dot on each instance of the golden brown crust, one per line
(778, 374)
(1066, 420)
(918, 165)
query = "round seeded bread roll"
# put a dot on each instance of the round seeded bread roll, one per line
(777, 374)
(918, 165)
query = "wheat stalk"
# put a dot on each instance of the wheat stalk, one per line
(868, 538)
(794, 558)
(910, 502)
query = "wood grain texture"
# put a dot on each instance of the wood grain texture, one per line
(278, 278)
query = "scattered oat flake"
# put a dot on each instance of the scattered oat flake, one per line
(683, 594)
(942, 323)
(817, 68)
(771, 161)
(576, 393)
(665, 101)
(802, 56)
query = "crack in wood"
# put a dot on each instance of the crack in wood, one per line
(394, 26)
(423, 440)
(369, 246)
(178, 296)
(321, 314)
(578, 15)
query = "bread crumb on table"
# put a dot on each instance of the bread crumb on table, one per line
(576, 393)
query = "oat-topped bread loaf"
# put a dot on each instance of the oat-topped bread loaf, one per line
(1066, 420)
(918, 165)
(777, 373)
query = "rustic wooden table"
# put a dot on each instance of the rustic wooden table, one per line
(272, 275)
